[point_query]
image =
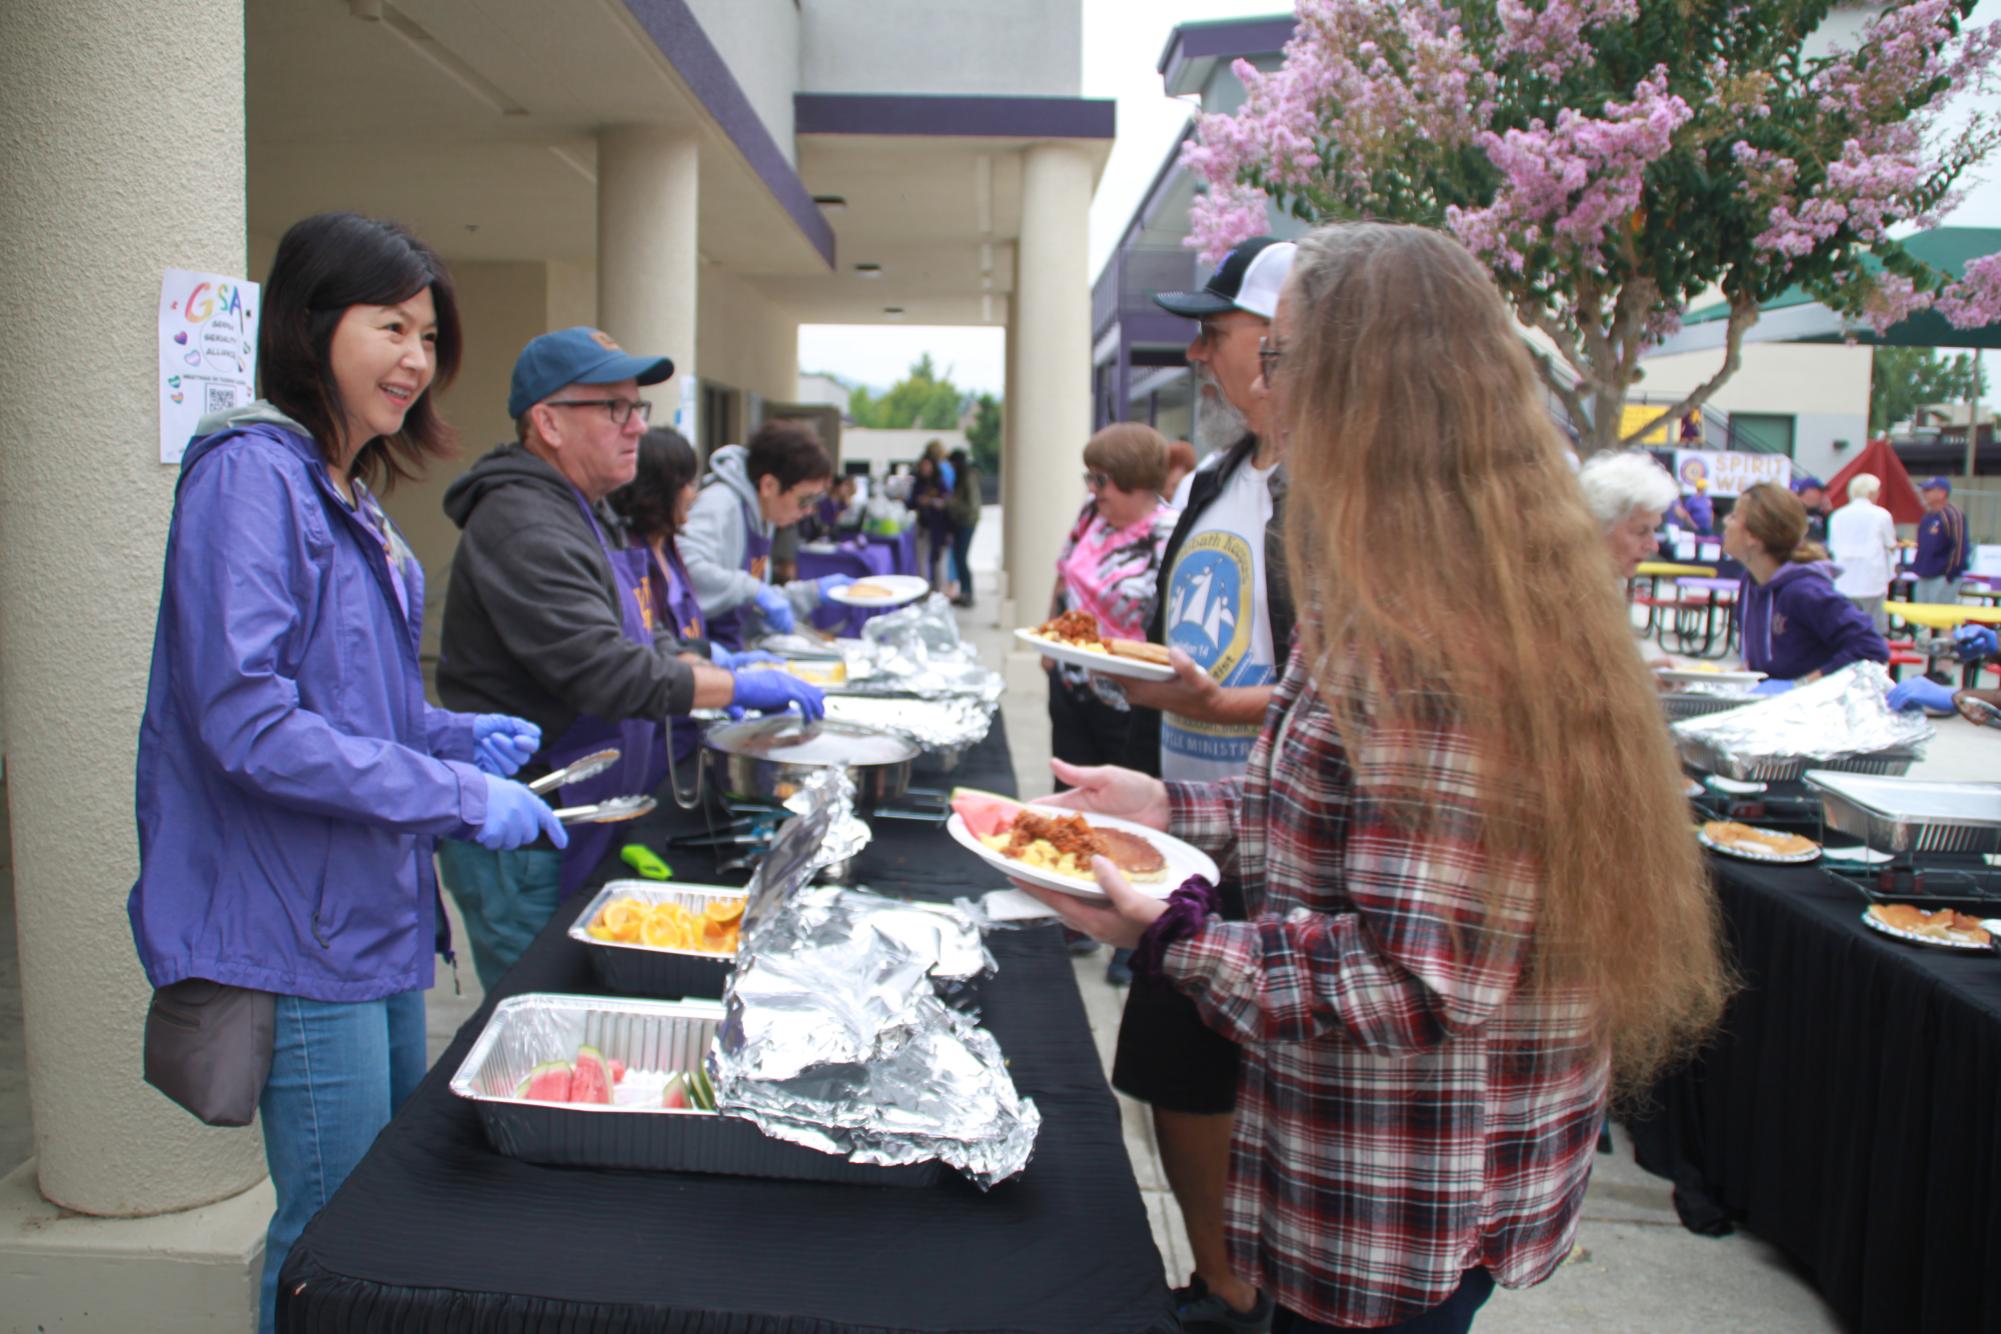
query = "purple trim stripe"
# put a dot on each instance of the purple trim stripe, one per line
(675, 30)
(1202, 41)
(950, 117)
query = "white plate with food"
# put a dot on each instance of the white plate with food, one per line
(1943, 929)
(880, 590)
(1111, 661)
(1753, 844)
(1052, 847)
(1718, 676)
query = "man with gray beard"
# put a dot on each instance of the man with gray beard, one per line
(1224, 611)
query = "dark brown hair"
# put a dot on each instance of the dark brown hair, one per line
(326, 264)
(789, 451)
(1132, 454)
(666, 464)
(1776, 520)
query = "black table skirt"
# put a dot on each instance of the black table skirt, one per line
(436, 1231)
(1850, 1110)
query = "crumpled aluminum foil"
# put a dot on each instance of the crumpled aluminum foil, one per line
(835, 1036)
(935, 724)
(1843, 714)
(917, 651)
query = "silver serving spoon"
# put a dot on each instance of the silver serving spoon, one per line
(612, 810)
(588, 767)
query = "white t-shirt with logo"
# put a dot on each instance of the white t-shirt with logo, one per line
(1218, 615)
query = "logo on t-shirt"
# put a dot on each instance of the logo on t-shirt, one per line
(1209, 612)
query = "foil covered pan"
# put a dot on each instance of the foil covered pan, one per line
(941, 724)
(1911, 815)
(1680, 704)
(525, 1031)
(1843, 721)
(654, 970)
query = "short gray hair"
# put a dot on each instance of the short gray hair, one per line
(1617, 486)
(1864, 486)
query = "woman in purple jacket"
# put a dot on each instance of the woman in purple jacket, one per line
(1796, 626)
(291, 776)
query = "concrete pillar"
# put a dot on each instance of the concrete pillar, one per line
(1049, 372)
(97, 205)
(649, 193)
(1007, 607)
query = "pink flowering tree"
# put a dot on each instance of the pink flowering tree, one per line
(1613, 160)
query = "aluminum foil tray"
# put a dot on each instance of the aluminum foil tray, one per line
(647, 1035)
(1699, 753)
(1680, 704)
(1899, 815)
(649, 970)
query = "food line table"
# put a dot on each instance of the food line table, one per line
(436, 1231)
(1849, 1111)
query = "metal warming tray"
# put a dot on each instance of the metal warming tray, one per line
(654, 970)
(524, 1031)
(1680, 704)
(1700, 752)
(1899, 815)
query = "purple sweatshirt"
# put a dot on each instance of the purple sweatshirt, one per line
(1798, 624)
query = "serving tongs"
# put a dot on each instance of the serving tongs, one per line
(612, 810)
(590, 766)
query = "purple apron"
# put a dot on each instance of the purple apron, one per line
(726, 628)
(674, 602)
(636, 738)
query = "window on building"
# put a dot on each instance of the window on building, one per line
(1762, 432)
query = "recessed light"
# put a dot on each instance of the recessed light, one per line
(892, 310)
(831, 203)
(868, 270)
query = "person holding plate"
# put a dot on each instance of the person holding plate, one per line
(1473, 910)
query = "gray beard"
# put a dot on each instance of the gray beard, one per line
(1218, 424)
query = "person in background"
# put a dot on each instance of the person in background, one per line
(927, 500)
(1180, 463)
(935, 451)
(1474, 908)
(751, 492)
(1627, 493)
(1942, 545)
(291, 777)
(1862, 540)
(963, 509)
(829, 515)
(1796, 628)
(1695, 511)
(1812, 493)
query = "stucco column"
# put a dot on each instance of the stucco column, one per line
(649, 192)
(1006, 606)
(97, 204)
(1049, 375)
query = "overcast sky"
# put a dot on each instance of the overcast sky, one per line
(1122, 45)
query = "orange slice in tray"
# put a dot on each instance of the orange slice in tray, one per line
(724, 910)
(621, 919)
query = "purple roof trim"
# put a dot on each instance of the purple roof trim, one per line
(675, 30)
(1199, 41)
(954, 117)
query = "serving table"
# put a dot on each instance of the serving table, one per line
(436, 1231)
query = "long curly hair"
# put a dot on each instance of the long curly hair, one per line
(1436, 533)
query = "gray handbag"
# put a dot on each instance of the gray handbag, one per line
(208, 1047)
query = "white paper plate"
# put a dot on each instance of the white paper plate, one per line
(1130, 668)
(1183, 860)
(1733, 787)
(1745, 854)
(1693, 790)
(1869, 920)
(904, 587)
(1856, 855)
(1690, 676)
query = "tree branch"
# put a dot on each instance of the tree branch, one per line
(1743, 314)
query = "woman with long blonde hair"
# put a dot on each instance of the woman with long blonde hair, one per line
(1475, 907)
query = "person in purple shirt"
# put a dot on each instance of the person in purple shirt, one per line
(1797, 627)
(1941, 554)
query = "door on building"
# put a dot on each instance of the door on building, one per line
(1762, 432)
(720, 418)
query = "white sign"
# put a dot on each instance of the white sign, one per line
(208, 352)
(1729, 472)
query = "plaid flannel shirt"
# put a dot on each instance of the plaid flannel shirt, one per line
(1406, 1109)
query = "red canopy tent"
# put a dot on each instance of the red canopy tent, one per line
(1897, 496)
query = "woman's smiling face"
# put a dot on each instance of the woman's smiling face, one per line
(382, 358)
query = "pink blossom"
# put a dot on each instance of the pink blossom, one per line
(1974, 300)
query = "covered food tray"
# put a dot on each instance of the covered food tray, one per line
(525, 1031)
(1899, 815)
(1701, 752)
(655, 970)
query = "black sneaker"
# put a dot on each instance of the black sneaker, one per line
(1078, 942)
(1203, 1312)
(1119, 972)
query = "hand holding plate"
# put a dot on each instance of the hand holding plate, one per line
(1119, 920)
(1106, 789)
(1193, 693)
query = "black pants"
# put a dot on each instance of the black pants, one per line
(1451, 1316)
(1083, 729)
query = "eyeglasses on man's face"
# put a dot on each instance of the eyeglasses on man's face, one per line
(1269, 356)
(620, 410)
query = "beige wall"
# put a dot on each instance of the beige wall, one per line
(759, 41)
(1023, 48)
(1824, 388)
(744, 339)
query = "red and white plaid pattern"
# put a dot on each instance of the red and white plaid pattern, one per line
(1406, 1110)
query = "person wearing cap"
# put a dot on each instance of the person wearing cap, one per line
(1223, 609)
(1941, 554)
(549, 616)
(1813, 495)
(751, 493)
(1695, 511)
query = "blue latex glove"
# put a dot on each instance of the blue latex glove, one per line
(773, 692)
(827, 582)
(1919, 692)
(503, 743)
(729, 661)
(1974, 643)
(777, 609)
(1772, 686)
(515, 817)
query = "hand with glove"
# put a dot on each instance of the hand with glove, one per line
(827, 583)
(773, 692)
(729, 661)
(1772, 686)
(777, 609)
(1921, 692)
(503, 743)
(515, 817)
(1974, 643)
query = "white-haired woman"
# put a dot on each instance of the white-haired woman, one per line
(1628, 494)
(1862, 539)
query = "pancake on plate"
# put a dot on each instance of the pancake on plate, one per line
(1758, 842)
(1139, 650)
(1944, 924)
(870, 592)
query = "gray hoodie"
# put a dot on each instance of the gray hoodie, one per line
(717, 538)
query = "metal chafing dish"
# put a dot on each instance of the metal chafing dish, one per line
(1703, 754)
(1680, 704)
(768, 759)
(1911, 815)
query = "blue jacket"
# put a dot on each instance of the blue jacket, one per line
(1798, 623)
(291, 775)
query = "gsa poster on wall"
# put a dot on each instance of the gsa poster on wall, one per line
(208, 352)
(1729, 472)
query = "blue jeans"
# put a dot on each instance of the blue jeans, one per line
(338, 1072)
(505, 898)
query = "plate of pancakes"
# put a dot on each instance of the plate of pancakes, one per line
(1734, 839)
(1076, 637)
(1942, 929)
(1052, 848)
(880, 590)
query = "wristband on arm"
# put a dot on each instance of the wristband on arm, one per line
(1189, 908)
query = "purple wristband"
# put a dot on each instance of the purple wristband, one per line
(1188, 907)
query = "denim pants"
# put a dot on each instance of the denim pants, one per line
(505, 898)
(339, 1070)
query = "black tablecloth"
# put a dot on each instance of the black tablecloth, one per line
(1850, 1110)
(436, 1231)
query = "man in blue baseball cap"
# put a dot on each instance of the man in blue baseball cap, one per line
(548, 609)
(1813, 494)
(1941, 555)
